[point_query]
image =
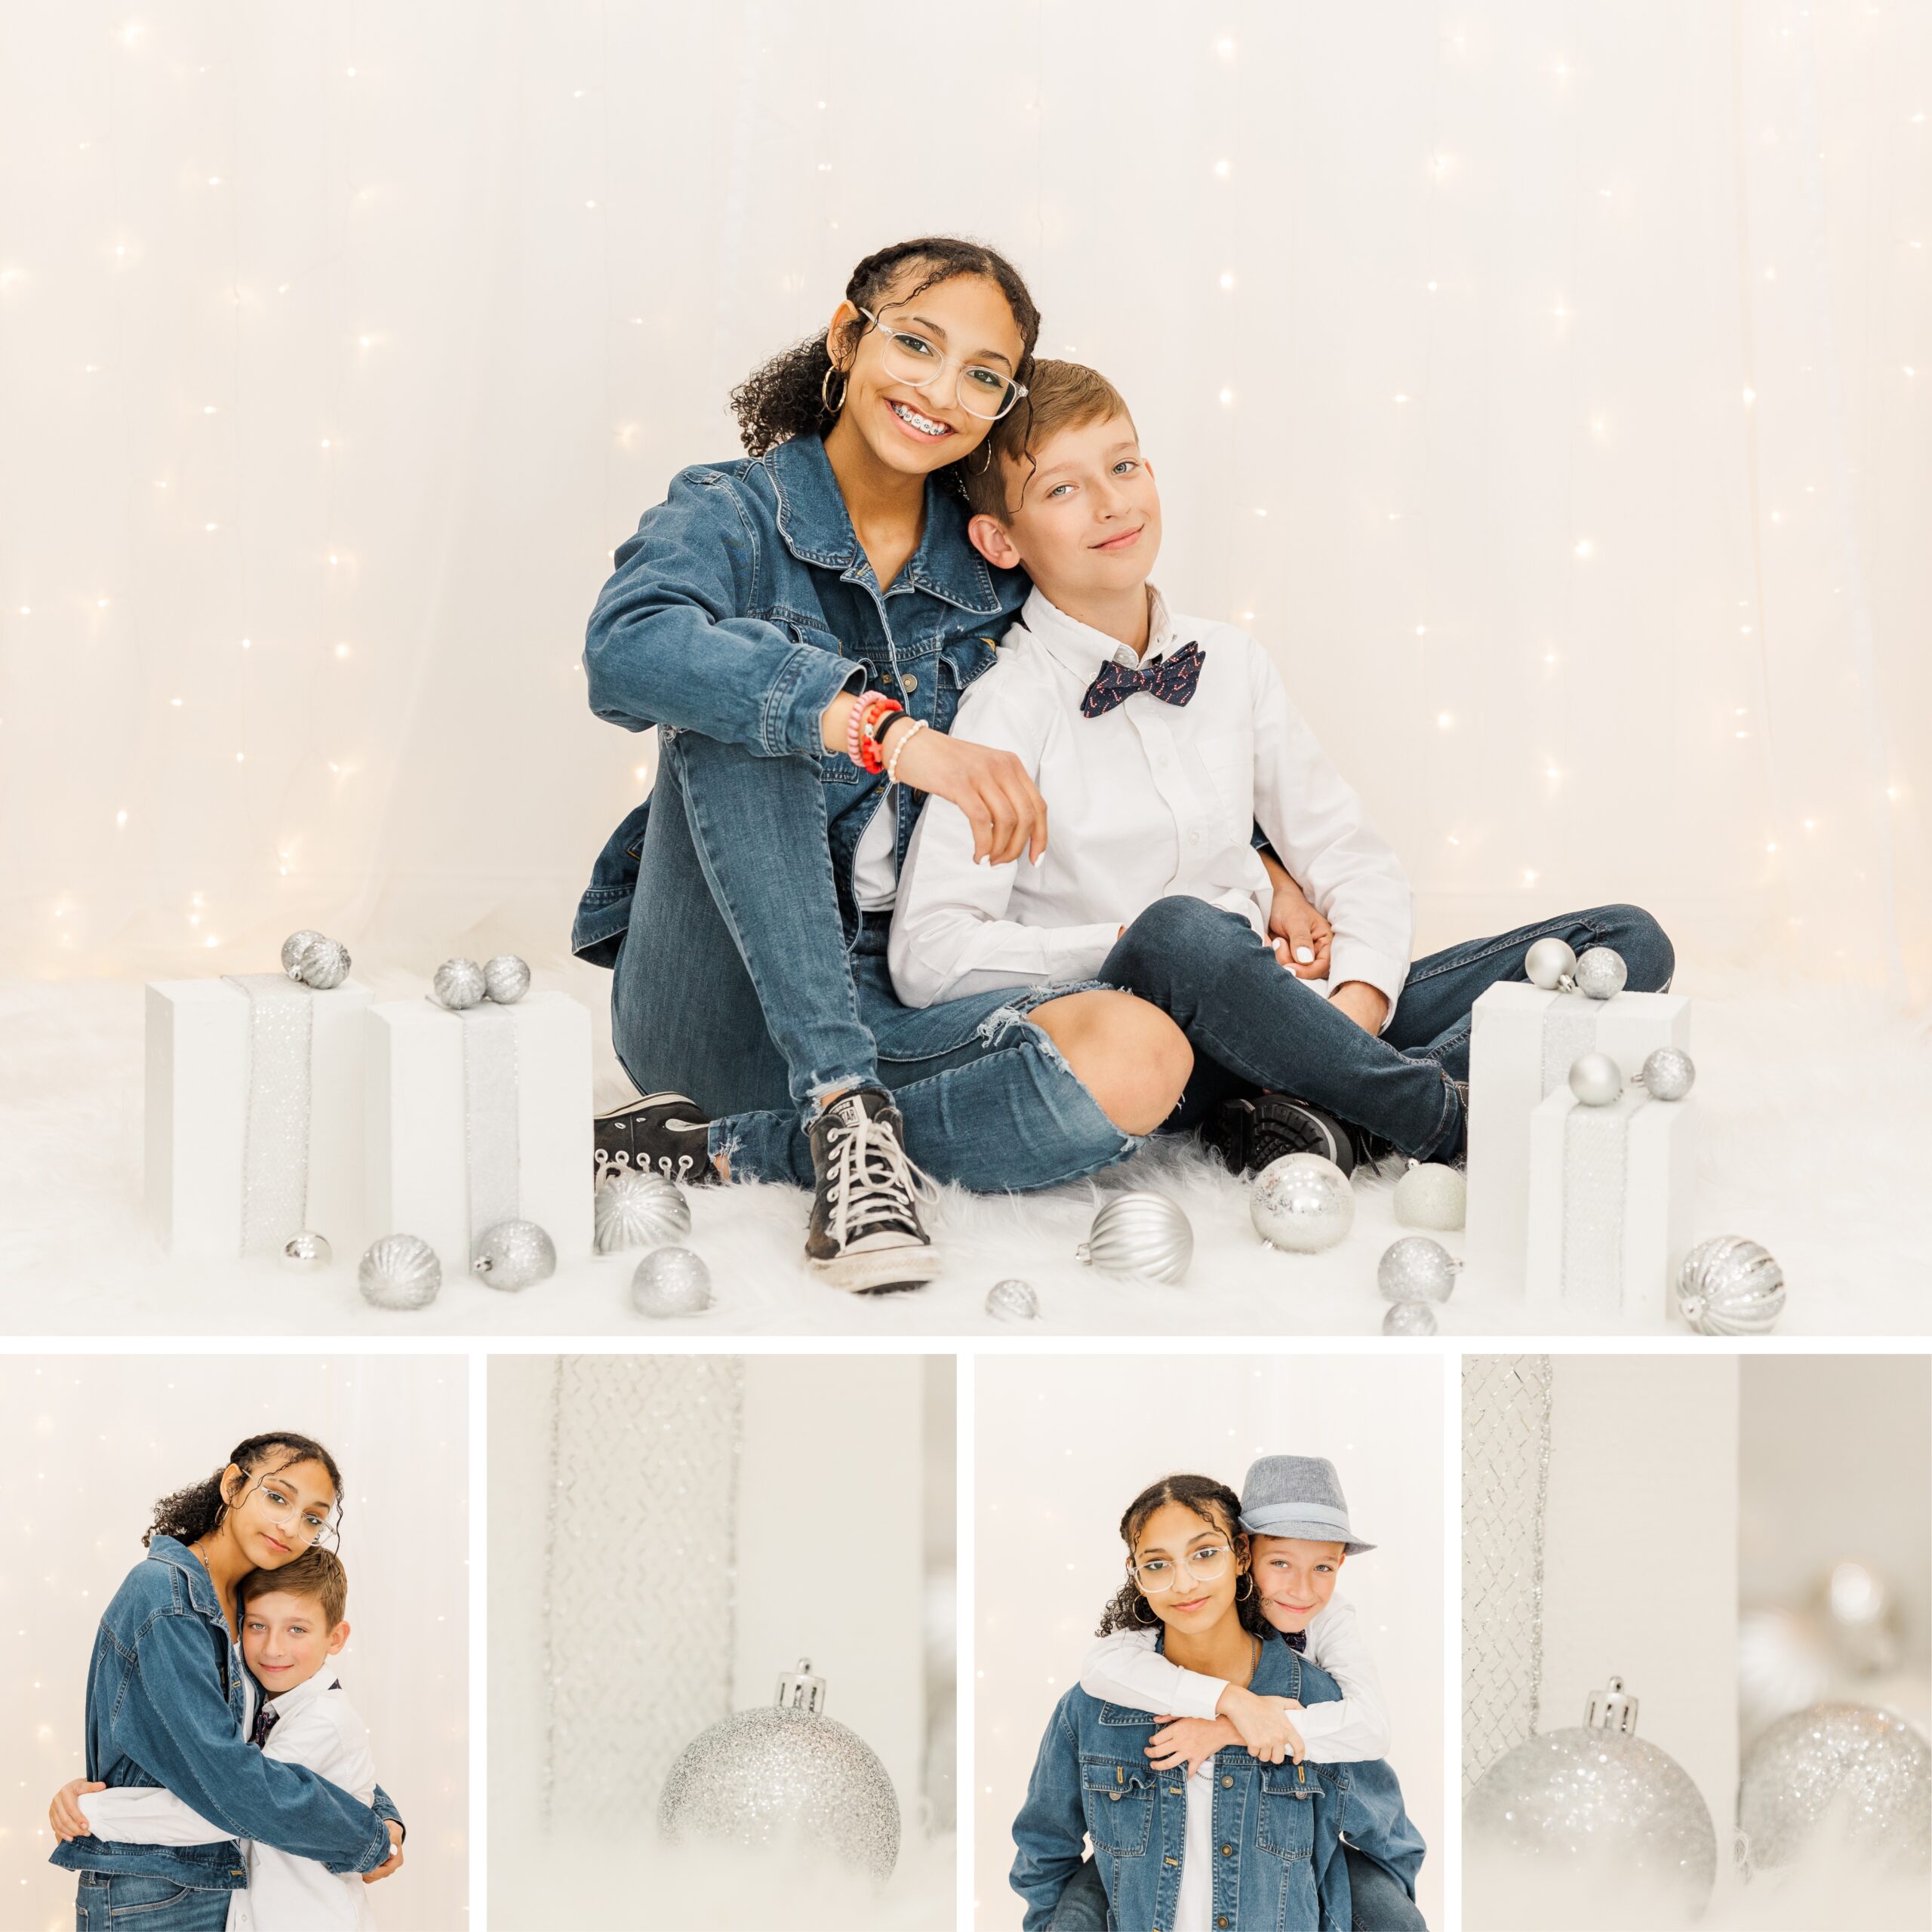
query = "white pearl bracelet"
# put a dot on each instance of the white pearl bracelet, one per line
(918, 724)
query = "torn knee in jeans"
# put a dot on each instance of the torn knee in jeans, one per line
(998, 1027)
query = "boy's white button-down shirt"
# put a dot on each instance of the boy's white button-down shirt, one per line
(1149, 801)
(316, 1727)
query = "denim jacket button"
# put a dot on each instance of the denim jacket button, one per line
(1227, 1784)
(910, 681)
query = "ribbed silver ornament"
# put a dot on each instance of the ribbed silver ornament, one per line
(1013, 1301)
(506, 979)
(634, 1207)
(1730, 1286)
(400, 1271)
(1139, 1233)
(323, 964)
(458, 983)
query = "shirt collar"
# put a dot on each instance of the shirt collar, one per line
(200, 1585)
(304, 1694)
(816, 528)
(1082, 649)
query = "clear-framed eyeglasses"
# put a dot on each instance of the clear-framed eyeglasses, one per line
(310, 1528)
(1207, 1565)
(908, 357)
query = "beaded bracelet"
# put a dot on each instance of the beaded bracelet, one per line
(898, 751)
(868, 703)
(870, 756)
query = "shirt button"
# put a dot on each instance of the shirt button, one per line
(1194, 838)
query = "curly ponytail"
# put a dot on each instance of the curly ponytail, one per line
(786, 398)
(189, 1515)
(1214, 1502)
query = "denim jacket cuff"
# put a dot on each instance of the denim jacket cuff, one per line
(379, 1853)
(807, 681)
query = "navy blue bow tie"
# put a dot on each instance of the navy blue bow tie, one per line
(1296, 1640)
(1172, 680)
(267, 1719)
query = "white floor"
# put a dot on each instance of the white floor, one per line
(1816, 1138)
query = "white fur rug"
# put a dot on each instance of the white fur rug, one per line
(1817, 1137)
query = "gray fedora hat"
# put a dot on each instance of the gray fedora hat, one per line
(1297, 1496)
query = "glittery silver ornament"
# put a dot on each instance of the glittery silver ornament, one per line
(1596, 1080)
(506, 979)
(1432, 1195)
(293, 947)
(1859, 1777)
(513, 1254)
(634, 1207)
(1600, 973)
(670, 1281)
(323, 964)
(1139, 1233)
(400, 1271)
(787, 1772)
(1409, 1317)
(1668, 1073)
(1597, 1798)
(306, 1253)
(1416, 1269)
(1730, 1286)
(1303, 1202)
(458, 983)
(1551, 964)
(1013, 1301)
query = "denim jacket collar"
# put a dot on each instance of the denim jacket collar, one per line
(816, 528)
(202, 1594)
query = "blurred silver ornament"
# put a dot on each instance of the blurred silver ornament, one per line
(401, 1272)
(1409, 1317)
(670, 1281)
(1860, 1613)
(1782, 1665)
(1301, 1202)
(306, 1253)
(1668, 1073)
(323, 964)
(506, 979)
(1730, 1286)
(634, 1207)
(1859, 1779)
(1601, 974)
(1596, 1080)
(786, 1773)
(1551, 964)
(293, 947)
(1597, 1800)
(1432, 1195)
(458, 983)
(513, 1254)
(1416, 1269)
(1139, 1233)
(1013, 1301)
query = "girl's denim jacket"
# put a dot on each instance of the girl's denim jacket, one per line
(743, 605)
(1278, 1829)
(166, 1705)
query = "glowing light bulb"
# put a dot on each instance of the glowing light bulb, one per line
(1401, 399)
(248, 644)
(1223, 169)
(1225, 48)
(1529, 877)
(1421, 630)
(1227, 397)
(1227, 279)
(1444, 721)
(1585, 548)
(121, 818)
(1750, 397)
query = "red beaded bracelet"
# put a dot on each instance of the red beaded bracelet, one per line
(855, 723)
(870, 754)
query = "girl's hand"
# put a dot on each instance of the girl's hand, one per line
(391, 1866)
(1002, 803)
(1296, 928)
(65, 1813)
(1188, 1741)
(1262, 1724)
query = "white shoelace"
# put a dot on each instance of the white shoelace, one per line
(874, 1185)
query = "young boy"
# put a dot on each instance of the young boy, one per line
(293, 1623)
(1161, 744)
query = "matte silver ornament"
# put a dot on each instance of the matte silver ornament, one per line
(1864, 1776)
(1596, 1800)
(1600, 973)
(787, 1772)
(293, 947)
(1416, 1269)
(1139, 1233)
(1409, 1317)
(506, 979)
(458, 983)
(1730, 1286)
(634, 1207)
(1013, 1301)
(323, 964)
(1432, 1195)
(1303, 1202)
(306, 1253)
(400, 1271)
(1551, 964)
(1668, 1073)
(669, 1282)
(513, 1254)
(1596, 1080)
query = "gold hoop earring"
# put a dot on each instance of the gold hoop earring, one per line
(831, 408)
(1246, 1577)
(1139, 1604)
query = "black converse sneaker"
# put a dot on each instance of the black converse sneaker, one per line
(866, 1232)
(663, 1134)
(1248, 1134)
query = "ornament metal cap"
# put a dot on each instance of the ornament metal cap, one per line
(800, 1690)
(1611, 1710)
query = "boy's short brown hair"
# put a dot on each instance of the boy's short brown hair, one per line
(1061, 395)
(315, 1573)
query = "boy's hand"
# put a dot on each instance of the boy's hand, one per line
(391, 1866)
(1262, 1723)
(65, 1813)
(1002, 803)
(1188, 1741)
(1363, 1004)
(1302, 937)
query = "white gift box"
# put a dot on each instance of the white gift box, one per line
(479, 1117)
(1523, 1042)
(1609, 1202)
(253, 1114)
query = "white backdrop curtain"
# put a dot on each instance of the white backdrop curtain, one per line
(1549, 381)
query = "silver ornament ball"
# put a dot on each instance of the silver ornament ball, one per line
(1140, 1233)
(1013, 1301)
(669, 1282)
(1432, 1195)
(506, 979)
(1730, 1286)
(1600, 973)
(322, 964)
(306, 1253)
(1416, 1269)
(1596, 1080)
(634, 1207)
(1409, 1317)
(458, 983)
(1549, 963)
(1668, 1074)
(1861, 1778)
(293, 947)
(1303, 1202)
(400, 1271)
(513, 1254)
